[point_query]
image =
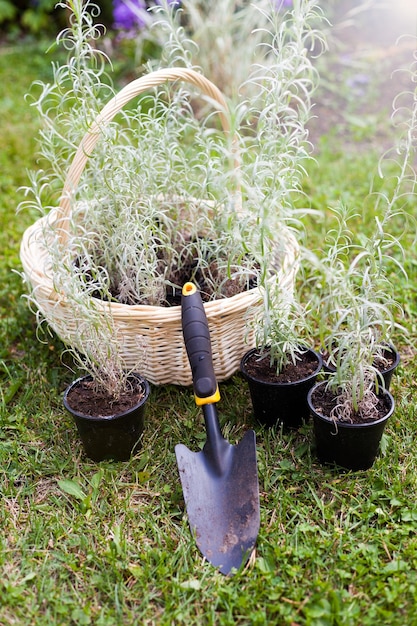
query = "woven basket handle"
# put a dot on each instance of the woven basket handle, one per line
(92, 136)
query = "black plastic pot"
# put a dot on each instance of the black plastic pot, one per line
(351, 446)
(280, 403)
(114, 437)
(388, 372)
(385, 373)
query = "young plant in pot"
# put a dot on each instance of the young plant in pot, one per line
(281, 370)
(108, 402)
(358, 310)
(356, 318)
(351, 406)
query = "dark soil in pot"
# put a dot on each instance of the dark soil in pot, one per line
(385, 365)
(108, 429)
(352, 445)
(86, 398)
(280, 399)
(261, 369)
(204, 280)
(324, 402)
(211, 275)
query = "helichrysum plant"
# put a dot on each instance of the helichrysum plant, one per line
(356, 316)
(356, 293)
(278, 149)
(262, 53)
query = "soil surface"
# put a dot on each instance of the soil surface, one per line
(261, 369)
(204, 279)
(324, 402)
(211, 278)
(382, 363)
(87, 399)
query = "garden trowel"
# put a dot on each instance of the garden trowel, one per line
(219, 483)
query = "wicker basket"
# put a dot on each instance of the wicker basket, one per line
(157, 330)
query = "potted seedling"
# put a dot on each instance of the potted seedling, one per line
(108, 402)
(358, 312)
(356, 317)
(351, 406)
(110, 428)
(281, 368)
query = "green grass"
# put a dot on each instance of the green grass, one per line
(109, 543)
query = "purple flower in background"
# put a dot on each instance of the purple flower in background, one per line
(283, 4)
(130, 14)
(133, 14)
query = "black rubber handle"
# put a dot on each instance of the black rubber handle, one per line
(197, 342)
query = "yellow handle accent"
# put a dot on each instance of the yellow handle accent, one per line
(210, 400)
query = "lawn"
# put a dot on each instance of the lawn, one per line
(109, 543)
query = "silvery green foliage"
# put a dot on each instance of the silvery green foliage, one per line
(355, 285)
(163, 186)
(158, 185)
(355, 307)
(275, 155)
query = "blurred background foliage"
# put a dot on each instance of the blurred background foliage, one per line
(42, 17)
(126, 23)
